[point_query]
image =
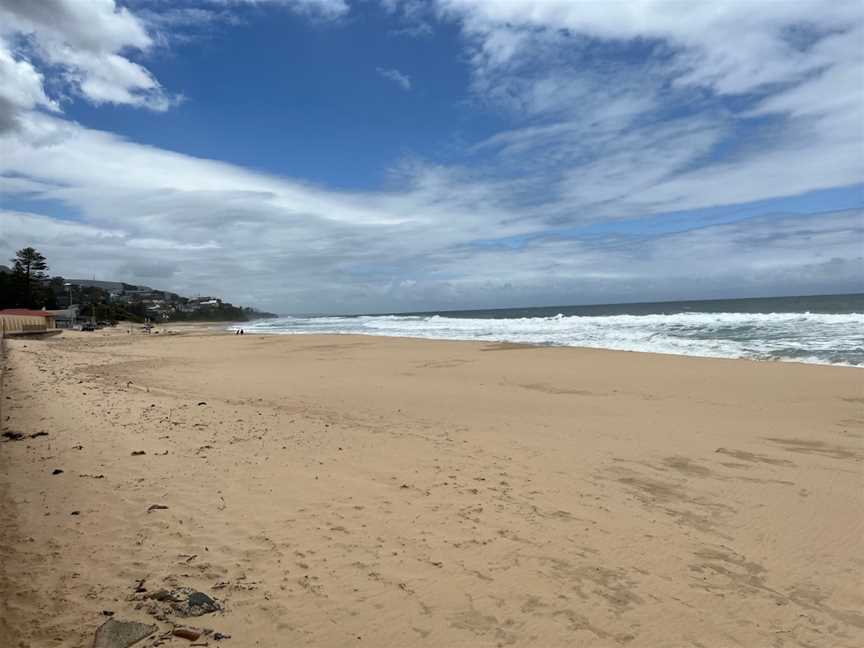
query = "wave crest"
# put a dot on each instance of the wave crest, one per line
(823, 338)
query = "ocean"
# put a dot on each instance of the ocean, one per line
(825, 329)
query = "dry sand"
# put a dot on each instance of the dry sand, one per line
(356, 491)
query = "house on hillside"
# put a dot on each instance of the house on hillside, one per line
(108, 286)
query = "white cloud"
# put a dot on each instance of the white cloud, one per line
(413, 14)
(397, 77)
(223, 224)
(626, 108)
(818, 253)
(93, 42)
(327, 9)
(94, 25)
(90, 42)
(731, 45)
(193, 225)
(21, 89)
(166, 244)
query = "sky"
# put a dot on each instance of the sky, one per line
(344, 156)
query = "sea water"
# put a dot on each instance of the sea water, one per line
(826, 329)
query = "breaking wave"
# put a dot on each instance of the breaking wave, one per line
(822, 338)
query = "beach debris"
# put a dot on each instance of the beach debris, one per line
(164, 595)
(202, 403)
(139, 585)
(75, 513)
(187, 633)
(38, 434)
(121, 634)
(57, 471)
(156, 507)
(199, 603)
(182, 601)
(99, 476)
(13, 436)
(138, 453)
(108, 613)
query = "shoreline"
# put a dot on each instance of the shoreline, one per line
(425, 492)
(552, 345)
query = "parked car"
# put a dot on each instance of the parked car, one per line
(88, 326)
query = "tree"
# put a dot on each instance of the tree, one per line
(7, 289)
(29, 268)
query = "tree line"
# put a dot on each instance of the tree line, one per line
(28, 285)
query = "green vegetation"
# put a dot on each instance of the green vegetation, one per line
(28, 285)
(25, 286)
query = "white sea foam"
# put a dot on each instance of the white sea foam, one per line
(800, 337)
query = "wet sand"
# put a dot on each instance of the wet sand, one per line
(349, 491)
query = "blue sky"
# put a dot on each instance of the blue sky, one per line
(339, 156)
(305, 98)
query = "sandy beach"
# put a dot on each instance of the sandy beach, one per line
(331, 491)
